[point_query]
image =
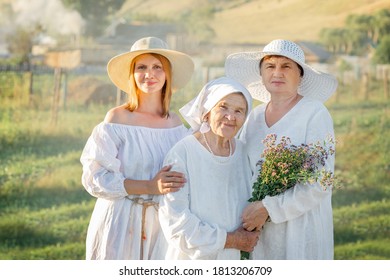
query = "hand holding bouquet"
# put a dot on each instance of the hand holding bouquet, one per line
(284, 165)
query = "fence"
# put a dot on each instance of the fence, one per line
(40, 82)
(41, 86)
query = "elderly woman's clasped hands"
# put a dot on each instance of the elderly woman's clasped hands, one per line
(254, 216)
(242, 239)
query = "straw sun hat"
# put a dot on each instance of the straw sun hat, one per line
(245, 68)
(118, 67)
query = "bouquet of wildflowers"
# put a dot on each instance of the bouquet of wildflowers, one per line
(283, 165)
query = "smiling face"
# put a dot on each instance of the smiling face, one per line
(280, 75)
(228, 115)
(149, 74)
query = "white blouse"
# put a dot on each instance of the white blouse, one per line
(196, 219)
(301, 224)
(112, 153)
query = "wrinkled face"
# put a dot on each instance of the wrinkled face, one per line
(228, 115)
(149, 74)
(280, 75)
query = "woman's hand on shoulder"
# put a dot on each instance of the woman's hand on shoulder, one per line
(167, 181)
(164, 182)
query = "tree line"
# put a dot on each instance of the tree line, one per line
(361, 34)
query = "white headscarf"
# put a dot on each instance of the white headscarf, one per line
(194, 111)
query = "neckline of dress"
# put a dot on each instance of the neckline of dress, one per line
(286, 114)
(216, 157)
(144, 127)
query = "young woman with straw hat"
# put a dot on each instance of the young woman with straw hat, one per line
(122, 159)
(292, 92)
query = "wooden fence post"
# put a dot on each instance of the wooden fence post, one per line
(65, 90)
(30, 87)
(337, 92)
(56, 95)
(385, 83)
(364, 87)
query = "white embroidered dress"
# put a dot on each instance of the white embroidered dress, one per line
(301, 224)
(196, 219)
(112, 153)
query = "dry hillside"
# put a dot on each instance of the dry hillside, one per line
(259, 21)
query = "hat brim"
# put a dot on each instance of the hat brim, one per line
(182, 65)
(244, 67)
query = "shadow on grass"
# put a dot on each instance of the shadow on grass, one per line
(40, 145)
(346, 197)
(55, 216)
(37, 198)
(17, 233)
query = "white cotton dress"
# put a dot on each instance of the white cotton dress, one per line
(301, 224)
(112, 153)
(196, 219)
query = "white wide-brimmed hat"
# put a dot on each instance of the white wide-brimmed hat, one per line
(118, 67)
(194, 111)
(245, 68)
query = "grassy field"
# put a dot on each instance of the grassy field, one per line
(362, 206)
(44, 210)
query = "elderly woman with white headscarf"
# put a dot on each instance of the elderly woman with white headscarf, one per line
(300, 219)
(203, 219)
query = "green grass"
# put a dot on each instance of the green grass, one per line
(44, 208)
(377, 249)
(45, 211)
(362, 205)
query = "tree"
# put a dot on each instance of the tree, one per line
(20, 45)
(381, 24)
(97, 13)
(334, 39)
(361, 24)
(382, 52)
(360, 31)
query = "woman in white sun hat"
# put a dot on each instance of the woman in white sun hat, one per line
(122, 159)
(300, 221)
